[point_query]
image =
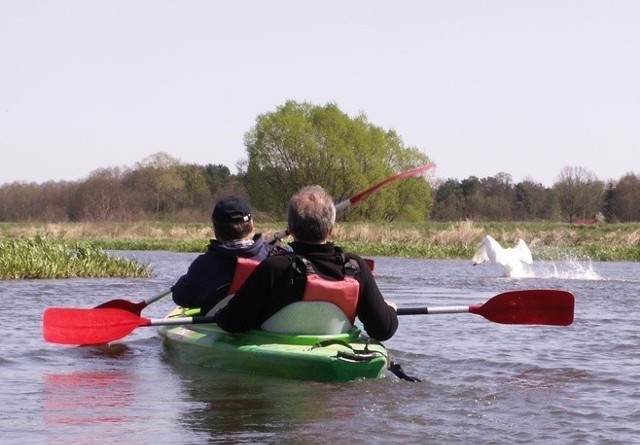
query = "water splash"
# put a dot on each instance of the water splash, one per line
(568, 270)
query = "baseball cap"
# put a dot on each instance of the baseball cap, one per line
(231, 209)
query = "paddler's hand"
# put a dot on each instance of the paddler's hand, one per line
(393, 305)
(275, 237)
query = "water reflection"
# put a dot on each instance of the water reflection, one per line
(88, 397)
(245, 408)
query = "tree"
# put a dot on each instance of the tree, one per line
(100, 198)
(627, 198)
(196, 193)
(157, 180)
(579, 193)
(448, 203)
(301, 144)
(609, 202)
(472, 198)
(532, 201)
(498, 197)
(217, 177)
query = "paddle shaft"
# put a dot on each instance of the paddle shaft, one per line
(401, 311)
(176, 321)
(135, 308)
(434, 310)
(155, 298)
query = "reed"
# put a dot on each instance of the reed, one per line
(39, 257)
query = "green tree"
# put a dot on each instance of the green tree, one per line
(159, 186)
(301, 144)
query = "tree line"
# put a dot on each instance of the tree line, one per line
(300, 144)
(577, 196)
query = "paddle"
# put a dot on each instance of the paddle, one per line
(364, 194)
(103, 325)
(529, 306)
(134, 308)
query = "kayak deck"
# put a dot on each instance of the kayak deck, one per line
(340, 357)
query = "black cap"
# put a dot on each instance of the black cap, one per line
(231, 209)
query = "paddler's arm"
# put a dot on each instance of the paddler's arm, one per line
(378, 317)
(194, 288)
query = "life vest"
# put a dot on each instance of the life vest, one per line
(244, 267)
(343, 293)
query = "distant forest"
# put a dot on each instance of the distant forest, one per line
(161, 188)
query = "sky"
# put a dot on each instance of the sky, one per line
(480, 86)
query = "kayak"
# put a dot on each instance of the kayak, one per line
(337, 357)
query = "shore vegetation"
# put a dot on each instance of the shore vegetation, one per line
(54, 250)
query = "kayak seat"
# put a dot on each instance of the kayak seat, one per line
(302, 317)
(308, 317)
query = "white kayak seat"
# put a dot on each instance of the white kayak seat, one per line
(308, 317)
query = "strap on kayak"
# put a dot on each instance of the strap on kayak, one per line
(397, 370)
(358, 355)
(363, 355)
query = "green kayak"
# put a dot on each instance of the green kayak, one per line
(338, 357)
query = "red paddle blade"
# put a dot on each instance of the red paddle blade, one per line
(370, 263)
(404, 174)
(134, 308)
(529, 306)
(88, 326)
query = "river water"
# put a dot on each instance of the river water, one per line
(483, 383)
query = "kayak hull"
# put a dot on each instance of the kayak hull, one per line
(341, 357)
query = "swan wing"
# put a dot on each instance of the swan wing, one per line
(481, 252)
(524, 254)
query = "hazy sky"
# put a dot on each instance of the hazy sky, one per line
(482, 87)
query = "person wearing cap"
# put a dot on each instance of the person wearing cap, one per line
(316, 271)
(209, 276)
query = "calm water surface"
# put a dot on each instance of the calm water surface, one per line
(483, 383)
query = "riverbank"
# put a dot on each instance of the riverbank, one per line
(597, 242)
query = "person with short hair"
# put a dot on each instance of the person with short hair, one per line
(316, 270)
(210, 275)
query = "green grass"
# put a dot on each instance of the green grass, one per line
(39, 257)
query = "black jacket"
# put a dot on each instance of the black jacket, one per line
(273, 285)
(209, 276)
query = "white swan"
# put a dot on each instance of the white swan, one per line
(511, 259)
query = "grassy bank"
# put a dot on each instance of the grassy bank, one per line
(598, 242)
